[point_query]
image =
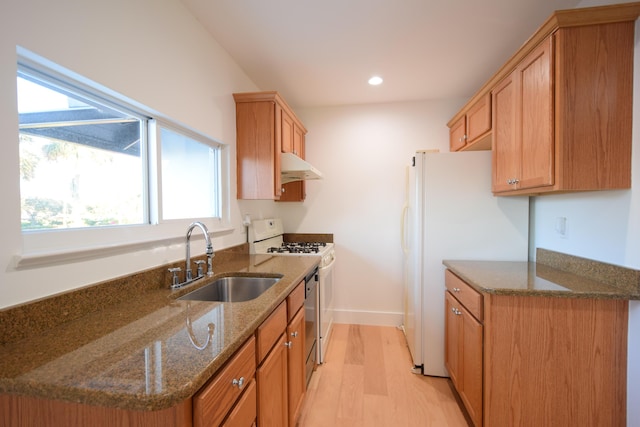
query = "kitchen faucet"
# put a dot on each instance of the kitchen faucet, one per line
(188, 272)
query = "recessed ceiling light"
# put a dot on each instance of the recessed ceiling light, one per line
(375, 80)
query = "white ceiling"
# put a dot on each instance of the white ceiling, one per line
(323, 52)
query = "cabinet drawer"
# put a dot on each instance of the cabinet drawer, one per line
(270, 330)
(295, 300)
(213, 402)
(464, 293)
(245, 412)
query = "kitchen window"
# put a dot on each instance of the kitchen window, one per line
(82, 162)
(97, 167)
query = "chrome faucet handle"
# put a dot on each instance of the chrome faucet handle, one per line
(200, 271)
(174, 280)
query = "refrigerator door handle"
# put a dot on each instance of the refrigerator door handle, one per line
(405, 210)
(403, 233)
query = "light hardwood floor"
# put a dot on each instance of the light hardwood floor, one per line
(366, 381)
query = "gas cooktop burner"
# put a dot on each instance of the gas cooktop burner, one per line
(298, 247)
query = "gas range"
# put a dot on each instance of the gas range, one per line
(265, 237)
(299, 248)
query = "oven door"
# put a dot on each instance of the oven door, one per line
(325, 312)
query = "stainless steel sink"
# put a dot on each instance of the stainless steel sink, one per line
(232, 289)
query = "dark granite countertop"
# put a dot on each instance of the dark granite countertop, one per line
(138, 353)
(554, 274)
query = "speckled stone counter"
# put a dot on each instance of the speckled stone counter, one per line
(554, 274)
(137, 351)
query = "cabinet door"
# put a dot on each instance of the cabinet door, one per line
(296, 366)
(452, 340)
(471, 364)
(479, 119)
(457, 137)
(298, 141)
(272, 387)
(463, 355)
(287, 132)
(506, 149)
(536, 122)
(294, 191)
(258, 150)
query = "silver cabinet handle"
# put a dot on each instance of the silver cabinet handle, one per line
(456, 311)
(238, 383)
(456, 289)
(294, 334)
(288, 344)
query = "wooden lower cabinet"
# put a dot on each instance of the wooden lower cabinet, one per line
(26, 411)
(217, 398)
(296, 380)
(245, 411)
(546, 361)
(463, 355)
(272, 387)
(555, 361)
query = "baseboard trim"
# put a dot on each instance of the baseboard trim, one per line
(375, 318)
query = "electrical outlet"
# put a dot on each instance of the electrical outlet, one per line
(561, 227)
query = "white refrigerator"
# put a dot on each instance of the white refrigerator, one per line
(450, 213)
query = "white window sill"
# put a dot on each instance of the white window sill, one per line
(51, 258)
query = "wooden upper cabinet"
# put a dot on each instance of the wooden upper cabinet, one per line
(523, 155)
(458, 134)
(562, 117)
(286, 123)
(293, 191)
(471, 128)
(265, 127)
(560, 106)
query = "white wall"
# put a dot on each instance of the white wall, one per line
(152, 51)
(363, 150)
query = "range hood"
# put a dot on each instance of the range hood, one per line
(295, 169)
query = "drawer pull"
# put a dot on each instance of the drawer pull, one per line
(294, 334)
(456, 289)
(288, 344)
(239, 383)
(456, 311)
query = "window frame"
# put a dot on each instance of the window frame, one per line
(54, 246)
